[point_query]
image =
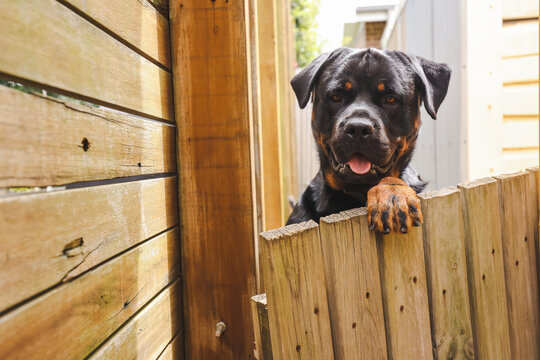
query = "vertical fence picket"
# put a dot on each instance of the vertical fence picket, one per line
(353, 286)
(293, 272)
(405, 299)
(446, 267)
(519, 266)
(532, 211)
(485, 267)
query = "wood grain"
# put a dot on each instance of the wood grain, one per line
(175, 349)
(353, 286)
(135, 21)
(405, 298)
(446, 268)
(269, 118)
(72, 319)
(533, 184)
(48, 238)
(161, 5)
(520, 266)
(149, 332)
(47, 43)
(261, 328)
(52, 142)
(293, 271)
(212, 94)
(483, 244)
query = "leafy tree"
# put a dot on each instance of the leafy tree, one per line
(308, 46)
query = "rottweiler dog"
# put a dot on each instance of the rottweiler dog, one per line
(366, 119)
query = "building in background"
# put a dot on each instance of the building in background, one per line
(488, 123)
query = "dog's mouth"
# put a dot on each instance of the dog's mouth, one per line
(358, 164)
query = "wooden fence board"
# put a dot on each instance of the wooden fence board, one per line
(149, 332)
(353, 286)
(71, 320)
(135, 21)
(175, 349)
(520, 70)
(485, 267)
(405, 298)
(520, 38)
(446, 267)
(52, 237)
(52, 142)
(47, 43)
(519, 266)
(259, 313)
(212, 94)
(533, 208)
(293, 273)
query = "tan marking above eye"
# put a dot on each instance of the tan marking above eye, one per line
(336, 97)
(348, 85)
(390, 100)
(380, 87)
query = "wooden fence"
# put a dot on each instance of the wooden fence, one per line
(89, 263)
(462, 286)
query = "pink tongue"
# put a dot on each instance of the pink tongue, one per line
(359, 164)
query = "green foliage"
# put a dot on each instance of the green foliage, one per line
(308, 46)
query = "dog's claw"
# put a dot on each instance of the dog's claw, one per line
(393, 207)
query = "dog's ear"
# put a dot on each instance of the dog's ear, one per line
(434, 80)
(304, 82)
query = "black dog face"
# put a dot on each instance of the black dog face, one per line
(366, 111)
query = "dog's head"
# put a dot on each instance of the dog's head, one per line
(366, 110)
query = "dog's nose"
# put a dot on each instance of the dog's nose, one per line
(358, 128)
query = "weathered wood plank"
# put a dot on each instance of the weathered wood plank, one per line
(212, 94)
(521, 9)
(533, 210)
(353, 286)
(446, 268)
(69, 321)
(485, 267)
(161, 5)
(519, 266)
(48, 238)
(520, 38)
(52, 142)
(135, 21)
(47, 43)
(261, 327)
(149, 332)
(405, 298)
(293, 273)
(175, 349)
(269, 116)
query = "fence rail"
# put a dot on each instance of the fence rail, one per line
(464, 285)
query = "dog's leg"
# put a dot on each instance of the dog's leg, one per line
(393, 206)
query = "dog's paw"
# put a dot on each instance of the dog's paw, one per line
(393, 207)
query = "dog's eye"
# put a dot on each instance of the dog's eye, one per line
(390, 99)
(336, 98)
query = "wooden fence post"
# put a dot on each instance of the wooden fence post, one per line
(212, 94)
(293, 273)
(446, 267)
(485, 267)
(405, 295)
(353, 286)
(519, 266)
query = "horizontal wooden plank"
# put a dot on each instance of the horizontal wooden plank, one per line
(136, 21)
(45, 42)
(51, 142)
(520, 100)
(175, 349)
(520, 133)
(520, 38)
(74, 318)
(513, 9)
(51, 237)
(515, 160)
(147, 334)
(520, 69)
